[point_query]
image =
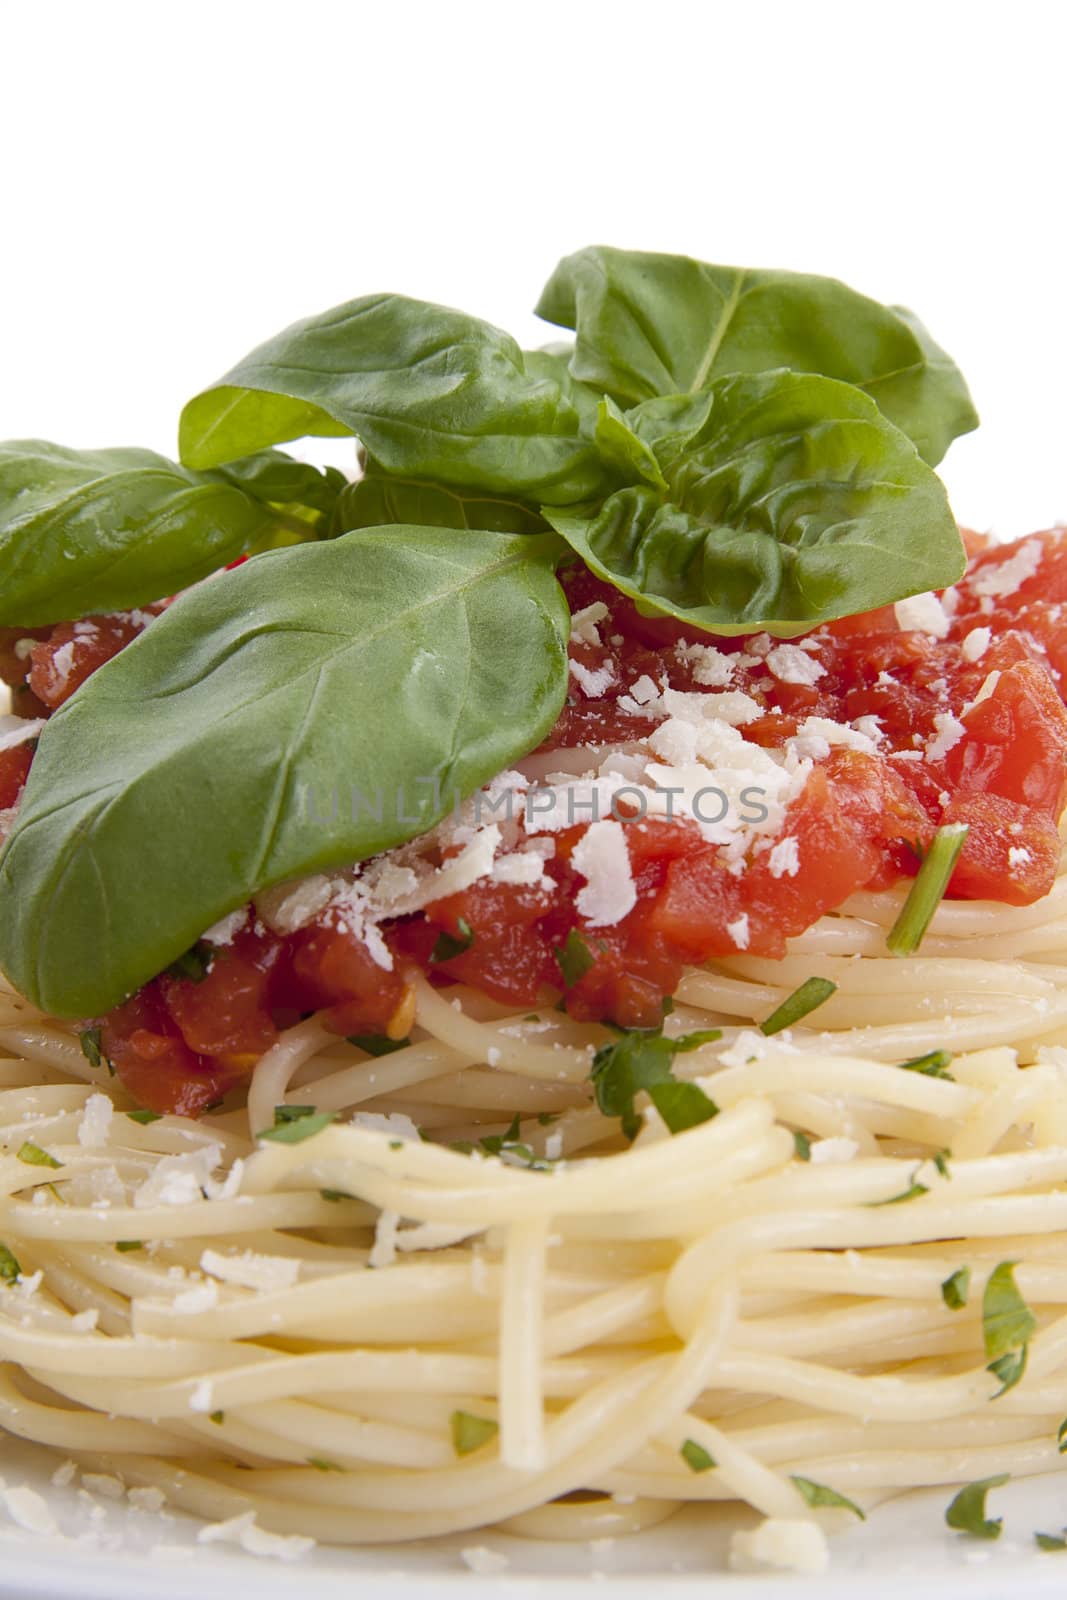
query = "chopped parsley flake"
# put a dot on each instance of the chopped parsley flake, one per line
(813, 992)
(470, 1433)
(1008, 1325)
(954, 1290)
(90, 1041)
(377, 1044)
(448, 946)
(34, 1156)
(933, 1064)
(144, 1117)
(10, 1271)
(696, 1458)
(575, 959)
(294, 1124)
(801, 1146)
(817, 1494)
(195, 964)
(967, 1511)
(928, 890)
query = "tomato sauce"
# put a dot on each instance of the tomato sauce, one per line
(962, 718)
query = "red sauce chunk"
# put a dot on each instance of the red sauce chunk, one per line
(944, 709)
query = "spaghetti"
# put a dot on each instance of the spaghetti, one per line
(227, 1320)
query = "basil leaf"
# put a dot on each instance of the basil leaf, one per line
(651, 324)
(278, 480)
(378, 499)
(145, 1117)
(470, 1433)
(639, 1061)
(967, 1510)
(817, 1494)
(428, 390)
(452, 645)
(10, 1271)
(790, 501)
(955, 1289)
(103, 530)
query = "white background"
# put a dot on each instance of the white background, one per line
(182, 180)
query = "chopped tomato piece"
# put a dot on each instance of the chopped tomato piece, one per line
(153, 1062)
(227, 1011)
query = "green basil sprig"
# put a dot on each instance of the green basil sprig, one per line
(784, 500)
(201, 764)
(431, 392)
(377, 499)
(104, 530)
(651, 324)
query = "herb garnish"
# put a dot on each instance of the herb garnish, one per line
(470, 1433)
(801, 1146)
(377, 1044)
(449, 945)
(696, 1458)
(10, 1271)
(294, 1124)
(955, 1289)
(124, 1246)
(34, 1156)
(813, 992)
(195, 963)
(575, 959)
(640, 1060)
(1008, 1325)
(1050, 1541)
(144, 1116)
(927, 891)
(967, 1511)
(817, 1494)
(931, 1065)
(89, 1039)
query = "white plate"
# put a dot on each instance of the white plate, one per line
(107, 1550)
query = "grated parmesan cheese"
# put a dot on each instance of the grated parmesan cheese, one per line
(95, 1124)
(594, 683)
(785, 858)
(792, 1544)
(254, 1540)
(923, 613)
(1007, 577)
(976, 644)
(602, 859)
(1018, 856)
(584, 623)
(250, 1270)
(791, 664)
(739, 931)
(949, 731)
